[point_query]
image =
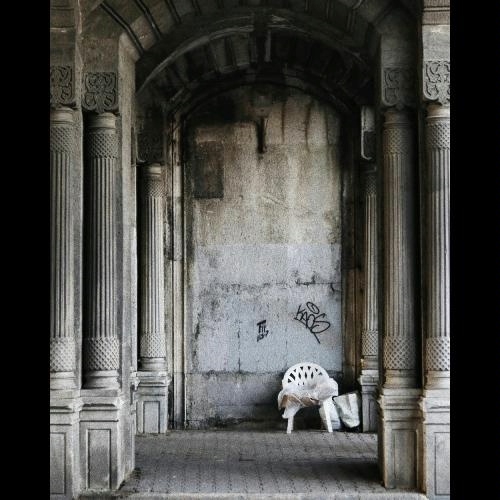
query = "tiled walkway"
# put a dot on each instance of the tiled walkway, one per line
(258, 465)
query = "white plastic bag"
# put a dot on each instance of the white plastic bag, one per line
(348, 408)
(332, 411)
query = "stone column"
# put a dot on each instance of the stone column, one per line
(65, 403)
(103, 454)
(437, 229)
(152, 346)
(400, 354)
(435, 402)
(369, 339)
(399, 395)
(101, 346)
(152, 411)
(62, 340)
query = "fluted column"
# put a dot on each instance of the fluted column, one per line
(101, 344)
(62, 340)
(369, 335)
(435, 403)
(399, 416)
(369, 341)
(400, 355)
(152, 403)
(437, 342)
(152, 343)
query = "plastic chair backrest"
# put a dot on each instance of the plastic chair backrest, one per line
(303, 374)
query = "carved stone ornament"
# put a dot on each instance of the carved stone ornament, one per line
(437, 81)
(100, 92)
(149, 147)
(62, 90)
(398, 85)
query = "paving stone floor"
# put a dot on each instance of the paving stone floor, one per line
(312, 465)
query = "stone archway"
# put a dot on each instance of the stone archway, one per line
(353, 54)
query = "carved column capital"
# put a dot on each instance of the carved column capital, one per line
(62, 138)
(100, 92)
(152, 181)
(62, 86)
(436, 81)
(150, 147)
(397, 135)
(398, 87)
(150, 137)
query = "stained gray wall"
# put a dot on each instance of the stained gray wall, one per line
(263, 239)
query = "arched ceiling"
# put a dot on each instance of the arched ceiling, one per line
(182, 44)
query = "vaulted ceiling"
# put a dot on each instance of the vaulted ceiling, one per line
(183, 45)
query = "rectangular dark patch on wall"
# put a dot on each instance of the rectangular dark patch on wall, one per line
(208, 171)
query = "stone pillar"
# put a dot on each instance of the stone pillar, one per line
(435, 403)
(399, 415)
(101, 346)
(437, 229)
(369, 339)
(400, 355)
(103, 455)
(65, 403)
(152, 411)
(62, 340)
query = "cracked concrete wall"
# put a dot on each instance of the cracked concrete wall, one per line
(263, 244)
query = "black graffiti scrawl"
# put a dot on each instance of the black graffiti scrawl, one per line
(311, 318)
(263, 331)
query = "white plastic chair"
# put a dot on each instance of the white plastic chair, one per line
(307, 384)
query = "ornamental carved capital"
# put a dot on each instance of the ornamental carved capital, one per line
(100, 92)
(62, 86)
(436, 81)
(398, 87)
(150, 147)
(150, 137)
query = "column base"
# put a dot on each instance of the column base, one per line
(399, 440)
(152, 402)
(368, 381)
(153, 364)
(62, 380)
(435, 478)
(102, 379)
(102, 455)
(400, 379)
(64, 444)
(437, 380)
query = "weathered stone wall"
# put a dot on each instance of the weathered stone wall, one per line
(263, 243)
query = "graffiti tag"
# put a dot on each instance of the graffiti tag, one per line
(311, 318)
(263, 331)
